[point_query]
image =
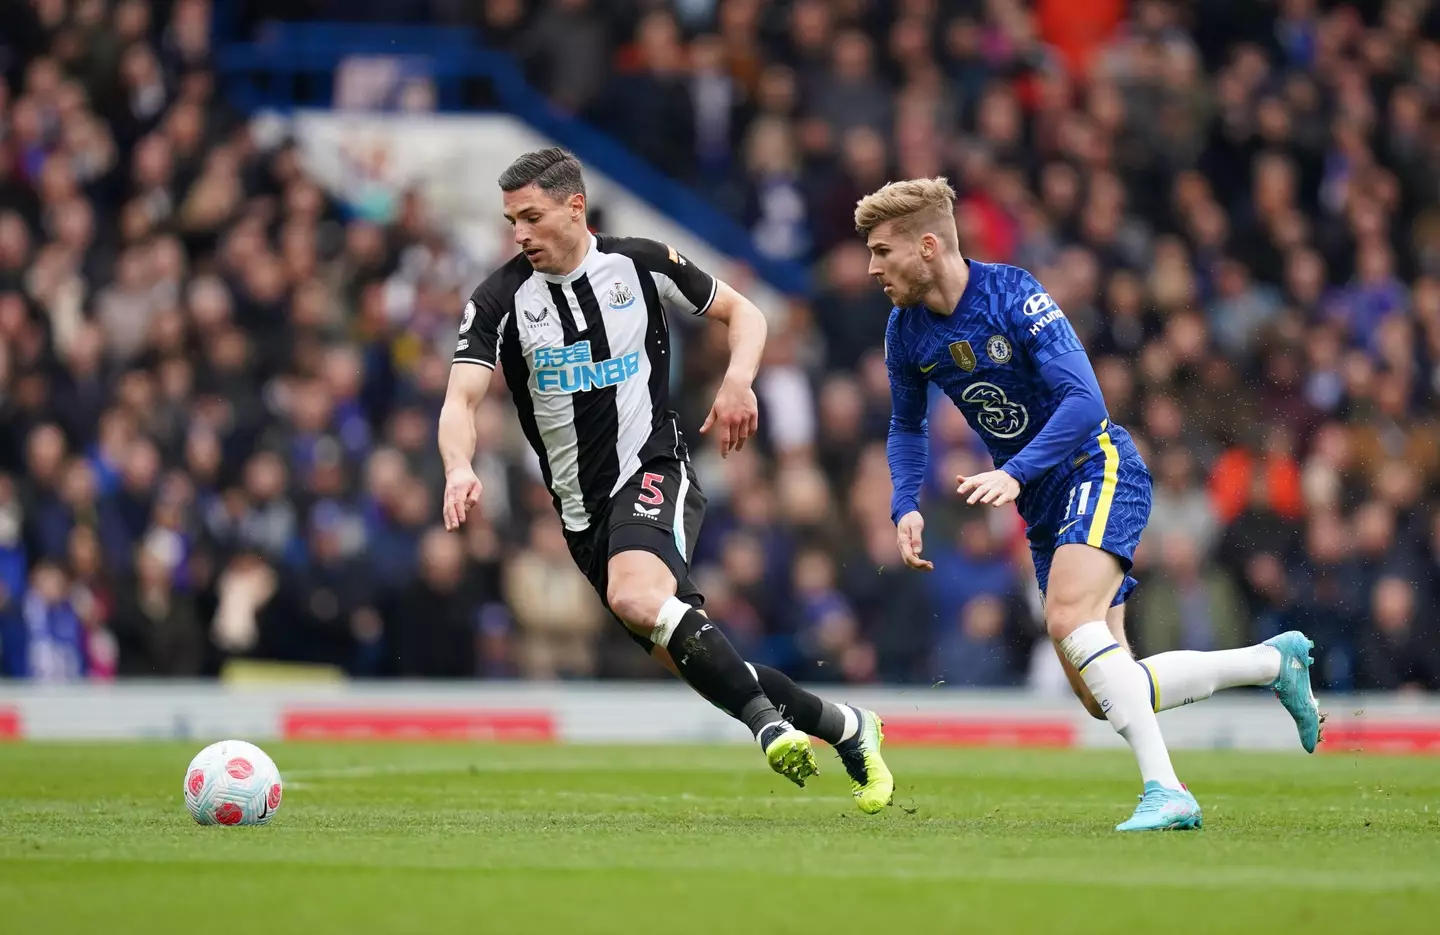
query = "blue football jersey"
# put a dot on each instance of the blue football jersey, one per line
(986, 357)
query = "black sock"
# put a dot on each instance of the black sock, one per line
(713, 668)
(809, 712)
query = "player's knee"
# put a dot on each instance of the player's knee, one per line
(635, 603)
(1069, 606)
(1065, 616)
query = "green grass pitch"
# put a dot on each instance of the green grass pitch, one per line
(684, 841)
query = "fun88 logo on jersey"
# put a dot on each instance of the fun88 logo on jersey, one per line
(569, 369)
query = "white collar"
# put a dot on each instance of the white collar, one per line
(591, 249)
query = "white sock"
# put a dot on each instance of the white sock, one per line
(1179, 678)
(671, 613)
(1123, 690)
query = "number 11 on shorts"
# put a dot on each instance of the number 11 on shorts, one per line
(1084, 491)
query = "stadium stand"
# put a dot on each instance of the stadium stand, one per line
(219, 383)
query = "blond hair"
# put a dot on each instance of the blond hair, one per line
(920, 205)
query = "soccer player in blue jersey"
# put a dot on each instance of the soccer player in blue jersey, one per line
(994, 341)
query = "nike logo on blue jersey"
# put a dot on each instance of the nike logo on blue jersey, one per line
(930, 368)
(1061, 530)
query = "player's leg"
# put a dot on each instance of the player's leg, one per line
(1184, 677)
(1181, 677)
(1041, 552)
(1084, 580)
(641, 592)
(831, 722)
(653, 523)
(1115, 620)
(855, 733)
(1097, 511)
(1281, 663)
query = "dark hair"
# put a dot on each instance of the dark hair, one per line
(556, 172)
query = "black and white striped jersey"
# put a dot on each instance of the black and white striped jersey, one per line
(587, 359)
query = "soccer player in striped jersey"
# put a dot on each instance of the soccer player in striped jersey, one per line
(993, 340)
(577, 324)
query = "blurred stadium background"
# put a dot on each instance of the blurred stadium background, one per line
(235, 239)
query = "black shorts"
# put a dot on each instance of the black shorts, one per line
(659, 510)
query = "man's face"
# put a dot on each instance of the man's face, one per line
(546, 227)
(897, 260)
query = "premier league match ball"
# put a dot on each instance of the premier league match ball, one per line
(232, 783)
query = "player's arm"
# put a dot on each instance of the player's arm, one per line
(736, 413)
(470, 373)
(907, 447)
(468, 385)
(1039, 328)
(685, 287)
(1082, 407)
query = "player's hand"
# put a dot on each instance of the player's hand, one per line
(995, 488)
(736, 415)
(908, 534)
(462, 491)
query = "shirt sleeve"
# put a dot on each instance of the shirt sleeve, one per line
(682, 285)
(1038, 324)
(480, 322)
(1081, 410)
(907, 445)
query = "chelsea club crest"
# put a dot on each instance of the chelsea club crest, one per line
(999, 349)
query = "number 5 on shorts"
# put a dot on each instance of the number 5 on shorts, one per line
(650, 484)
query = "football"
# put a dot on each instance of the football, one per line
(232, 783)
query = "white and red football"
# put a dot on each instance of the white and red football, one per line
(232, 783)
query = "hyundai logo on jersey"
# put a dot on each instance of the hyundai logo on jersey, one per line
(1039, 303)
(1052, 315)
(569, 369)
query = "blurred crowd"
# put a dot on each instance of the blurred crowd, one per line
(218, 385)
